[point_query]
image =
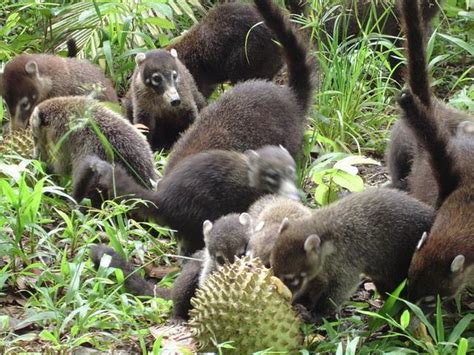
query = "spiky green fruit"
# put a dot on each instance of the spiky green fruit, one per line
(18, 141)
(243, 303)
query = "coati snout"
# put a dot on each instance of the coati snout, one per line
(159, 71)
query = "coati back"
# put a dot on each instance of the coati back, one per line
(66, 134)
(267, 216)
(228, 44)
(162, 96)
(444, 260)
(256, 112)
(205, 186)
(225, 238)
(29, 79)
(374, 233)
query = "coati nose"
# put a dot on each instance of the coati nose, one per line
(175, 102)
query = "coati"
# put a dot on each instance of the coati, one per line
(256, 112)
(375, 233)
(383, 16)
(162, 96)
(69, 132)
(228, 44)
(29, 79)
(226, 238)
(444, 260)
(267, 215)
(402, 146)
(204, 186)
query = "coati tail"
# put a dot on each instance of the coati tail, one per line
(134, 283)
(300, 66)
(71, 48)
(420, 119)
(417, 73)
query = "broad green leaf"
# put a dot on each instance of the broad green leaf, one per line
(405, 319)
(348, 181)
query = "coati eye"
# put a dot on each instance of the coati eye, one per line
(175, 75)
(272, 178)
(220, 260)
(156, 79)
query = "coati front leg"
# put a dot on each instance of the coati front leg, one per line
(85, 181)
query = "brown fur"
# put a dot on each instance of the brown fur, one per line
(374, 233)
(444, 262)
(147, 101)
(204, 186)
(217, 49)
(267, 215)
(402, 146)
(65, 124)
(257, 112)
(51, 77)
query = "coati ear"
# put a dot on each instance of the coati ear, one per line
(139, 58)
(35, 119)
(284, 149)
(174, 53)
(312, 244)
(2, 92)
(259, 226)
(458, 263)
(283, 226)
(31, 68)
(206, 228)
(422, 240)
(252, 162)
(245, 219)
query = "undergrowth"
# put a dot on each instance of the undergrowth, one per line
(51, 297)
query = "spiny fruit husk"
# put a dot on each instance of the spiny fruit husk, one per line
(18, 141)
(243, 303)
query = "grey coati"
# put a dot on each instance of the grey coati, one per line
(257, 112)
(224, 239)
(267, 215)
(162, 96)
(29, 79)
(68, 132)
(402, 147)
(444, 261)
(375, 233)
(204, 186)
(383, 17)
(228, 44)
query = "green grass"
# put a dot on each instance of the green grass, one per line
(51, 298)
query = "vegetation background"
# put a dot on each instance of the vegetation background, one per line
(50, 296)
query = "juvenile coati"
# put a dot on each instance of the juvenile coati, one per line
(68, 132)
(225, 238)
(444, 261)
(204, 186)
(267, 216)
(162, 96)
(383, 16)
(256, 112)
(375, 233)
(229, 44)
(29, 79)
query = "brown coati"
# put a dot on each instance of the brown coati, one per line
(444, 261)
(29, 79)
(162, 96)
(229, 44)
(375, 233)
(402, 146)
(383, 16)
(225, 238)
(267, 216)
(256, 112)
(70, 131)
(204, 186)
